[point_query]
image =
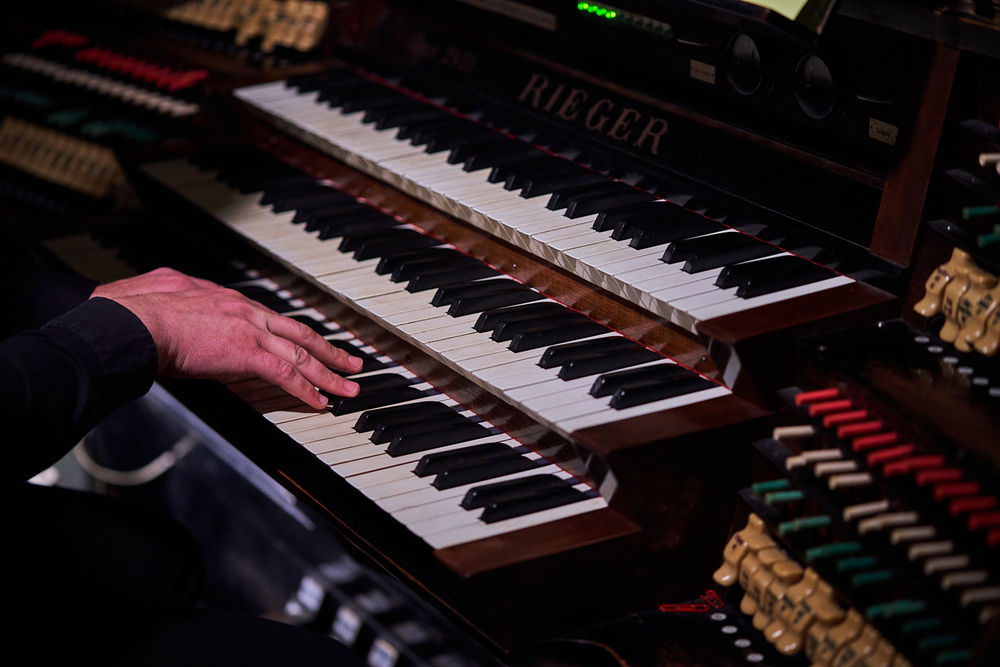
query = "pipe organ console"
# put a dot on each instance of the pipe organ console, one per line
(591, 256)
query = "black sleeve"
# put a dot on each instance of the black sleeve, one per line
(59, 381)
(36, 294)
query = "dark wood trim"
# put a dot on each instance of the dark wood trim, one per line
(536, 542)
(898, 221)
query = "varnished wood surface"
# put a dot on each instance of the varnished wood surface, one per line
(609, 439)
(536, 542)
(899, 214)
(794, 313)
(761, 346)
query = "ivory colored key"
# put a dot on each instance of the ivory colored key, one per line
(795, 594)
(737, 549)
(825, 636)
(786, 573)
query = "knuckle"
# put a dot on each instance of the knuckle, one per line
(285, 371)
(301, 355)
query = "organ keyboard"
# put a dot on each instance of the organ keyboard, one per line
(574, 283)
(569, 379)
(657, 225)
(638, 271)
(445, 330)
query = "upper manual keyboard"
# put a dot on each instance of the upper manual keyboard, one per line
(687, 263)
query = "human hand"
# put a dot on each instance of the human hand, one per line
(218, 333)
(157, 280)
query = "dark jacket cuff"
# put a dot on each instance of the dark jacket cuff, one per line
(123, 346)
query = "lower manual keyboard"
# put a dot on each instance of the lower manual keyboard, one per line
(449, 458)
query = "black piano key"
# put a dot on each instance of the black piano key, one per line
(433, 280)
(561, 354)
(446, 295)
(641, 392)
(597, 203)
(532, 339)
(732, 276)
(681, 250)
(383, 382)
(743, 250)
(376, 247)
(377, 234)
(419, 265)
(465, 136)
(391, 262)
(314, 324)
(523, 487)
(595, 365)
(535, 161)
(387, 120)
(510, 327)
(370, 419)
(427, 132)
(374, 385)
(368, 362)
(376, 101)
(509, 509)
(609, 382)
(701, 206)
(335, 93)
(403, 106)
(275, 194)
(307, 83)
(361, 224)
(774, 281)
(345, 406)
(432, 464)
(371, 106)
(415, 129)
(511, 155)
(402, 445)
(520, 179)
(266, 297)
(487, 145)
(647, 236)
(339, 215)
(576, 177)
(563, 197)
(259, 182)
(351, 242)
(413, 422)
(607, 220)
(449, 479)
(491, 318)
(668, 216)
(318, 199)
(348, 206)
(477, 303)
(386, 432)
(332, 224)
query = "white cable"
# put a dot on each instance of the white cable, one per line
(143, 475)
